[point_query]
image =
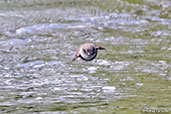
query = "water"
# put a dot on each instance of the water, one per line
(38, 40)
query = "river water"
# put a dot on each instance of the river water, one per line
(38, 39)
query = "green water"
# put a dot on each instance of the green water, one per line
(38, 39)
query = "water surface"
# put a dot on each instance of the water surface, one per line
(38, 40)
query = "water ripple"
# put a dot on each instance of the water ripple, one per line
(40, 27)
(37, 64)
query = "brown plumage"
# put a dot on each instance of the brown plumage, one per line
(87, 51)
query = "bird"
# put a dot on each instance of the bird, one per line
(87, 52)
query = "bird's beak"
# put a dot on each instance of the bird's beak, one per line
(74, 58)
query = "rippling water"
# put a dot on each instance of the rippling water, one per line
(38, 39)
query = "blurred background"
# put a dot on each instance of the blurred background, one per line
(38, 39)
